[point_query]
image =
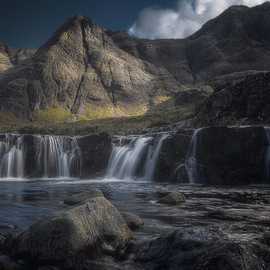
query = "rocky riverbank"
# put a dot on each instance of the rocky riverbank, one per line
(211, 228)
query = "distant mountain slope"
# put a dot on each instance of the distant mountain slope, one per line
(89, 71)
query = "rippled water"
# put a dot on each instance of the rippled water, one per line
(242, 212)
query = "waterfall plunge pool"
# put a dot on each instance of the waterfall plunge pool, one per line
(231, 209)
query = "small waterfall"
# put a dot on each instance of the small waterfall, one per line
(53, 156)
(191, 164)
(58, 156)
(11, 156)
(135, 157)
(267, 154)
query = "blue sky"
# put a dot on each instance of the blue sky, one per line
(28, 23)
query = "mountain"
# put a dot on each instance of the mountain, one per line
(5, 62)
(88, 71)
(10, 57)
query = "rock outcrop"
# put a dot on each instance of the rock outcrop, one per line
(231, 156)
(240, 98)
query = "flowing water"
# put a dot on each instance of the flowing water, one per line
(11, 156)
(135, 157)
(56, 156)
(241, 211)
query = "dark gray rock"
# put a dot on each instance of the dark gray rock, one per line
(133, 221)
(172, 153)
(200, 249)
(231, 156)
(95, 154)
(6, 263)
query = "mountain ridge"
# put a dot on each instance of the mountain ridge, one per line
(89, 71)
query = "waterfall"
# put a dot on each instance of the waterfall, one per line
(191, 164)
(267, 154)
(57, 156)
(52, 156)
(11, 156)
(135, 157)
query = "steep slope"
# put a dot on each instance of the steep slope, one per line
(237, 40)
(81, 70)
(241, 99)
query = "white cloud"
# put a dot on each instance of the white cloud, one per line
(186, 18)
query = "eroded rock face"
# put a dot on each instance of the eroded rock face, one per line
(93, 228)
(239, 99)
(172, 154)
(95, 153)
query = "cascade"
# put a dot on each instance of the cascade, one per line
(11, 156)
(267, 154)
(191, 163)
(135, 157)
(54, 156)
(58, 156)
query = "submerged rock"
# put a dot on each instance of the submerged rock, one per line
(173, 198)
(83, 197)
(93, 228)
(133, 221)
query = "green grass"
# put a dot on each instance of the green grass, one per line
(59, 121)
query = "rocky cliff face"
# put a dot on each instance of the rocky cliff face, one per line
(87, 70)
(240, 98)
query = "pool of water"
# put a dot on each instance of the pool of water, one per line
(242, 212)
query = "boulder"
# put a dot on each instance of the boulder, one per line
(93, 228)
(173, 198)
(133, 221)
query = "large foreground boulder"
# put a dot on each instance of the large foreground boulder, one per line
(94, 228)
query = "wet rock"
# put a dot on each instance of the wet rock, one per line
(83, 197)
(95, 152)
(172, 153)
(93, 228)
(133, 221)
(6, 263)
(230, 156)
(48, 268)
(198, 249)
(173, 198)
(181, 174)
